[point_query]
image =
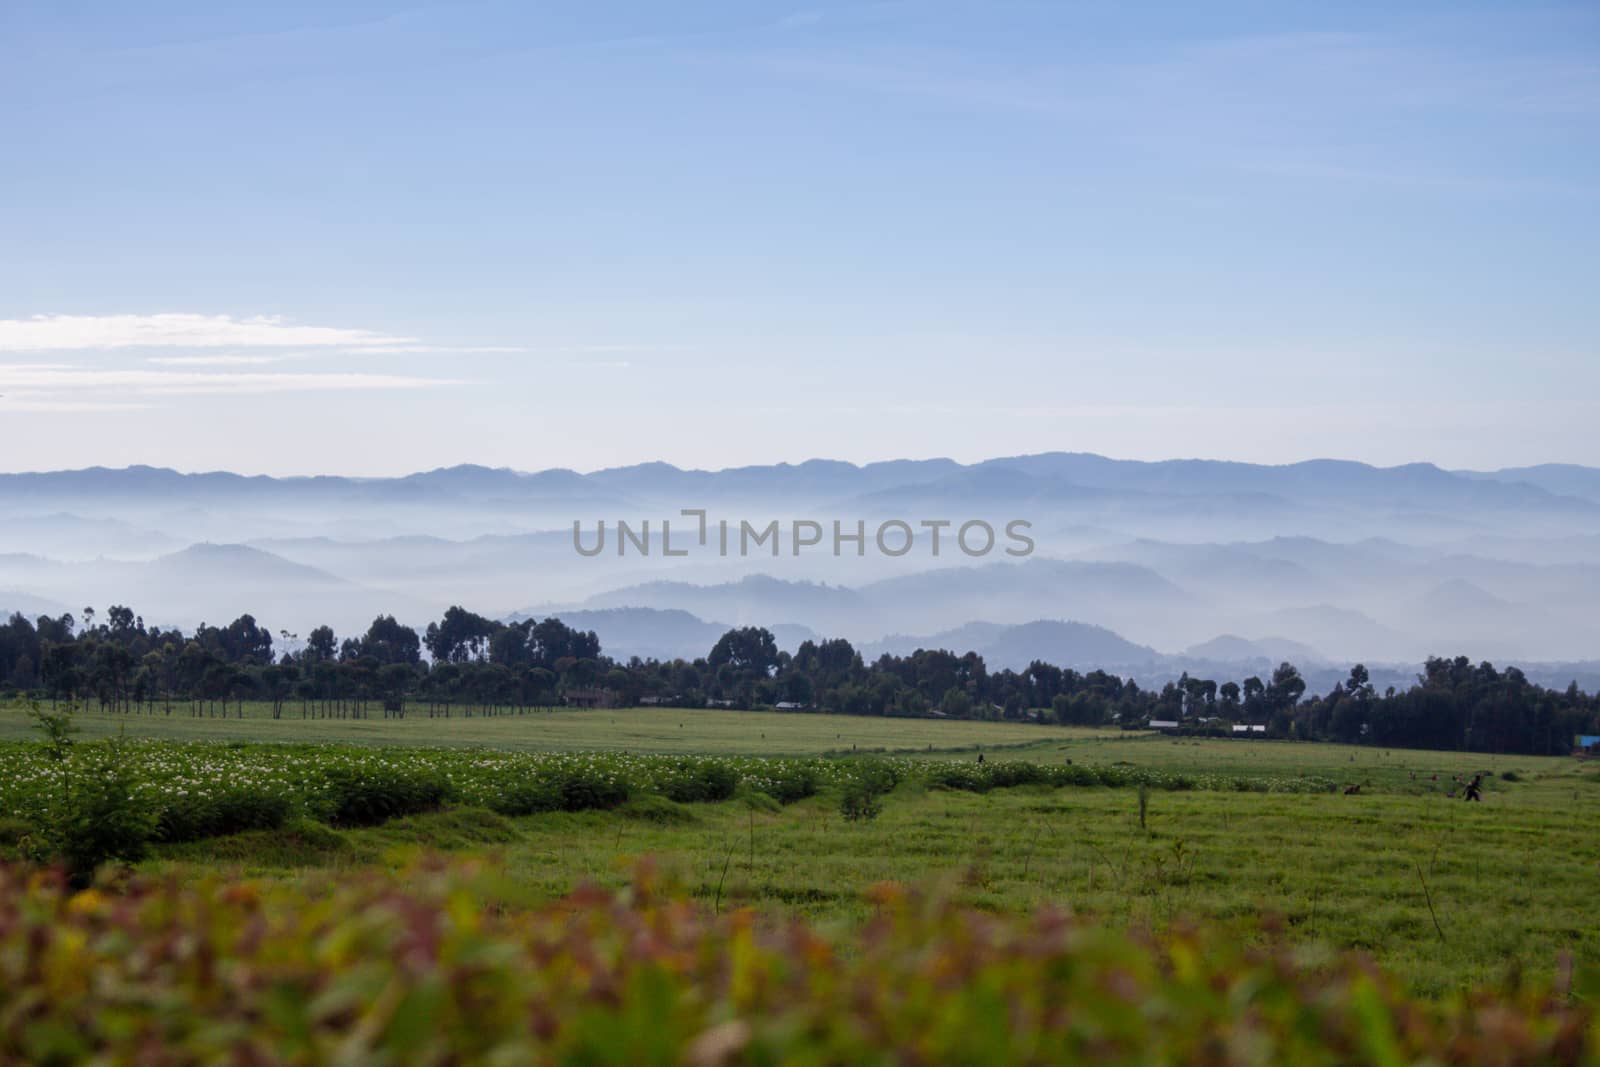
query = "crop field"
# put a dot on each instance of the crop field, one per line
(1139, 837)
(691, 731)
(1509, 881)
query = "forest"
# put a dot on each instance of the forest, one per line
(466, 662)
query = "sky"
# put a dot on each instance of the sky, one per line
(371, 238)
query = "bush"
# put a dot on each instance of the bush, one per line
(963, 776)
(792, 784)
(859, 804)
(528, 797)
(100, 817)
(693, 781)
(585, 790)
(232, 812)
(372, 795)
(1013, 773)
(877, 776)
(1113, 776)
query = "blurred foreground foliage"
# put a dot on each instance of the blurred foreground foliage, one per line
(454, 965)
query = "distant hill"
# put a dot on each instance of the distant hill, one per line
(1229, 648)
(69, 536)
(1344, 634)
(1457, 597)
(1564, 479)
(650, 633)
(215, 583)
(30, 606)
(1347, 559)
(753, 600)
(1010, 593)
(1068, 644)
(962, 639)
(208, 562)
(1059, 478)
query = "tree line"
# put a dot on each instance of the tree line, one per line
(467, 663)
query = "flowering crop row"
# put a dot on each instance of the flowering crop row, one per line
(442, 966)
(203, 789)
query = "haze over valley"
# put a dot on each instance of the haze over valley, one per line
(1148, 568)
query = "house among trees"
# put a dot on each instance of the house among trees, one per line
(590, 697)
(1244, 729)
(1588, 746)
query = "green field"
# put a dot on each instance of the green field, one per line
(665, 730)
(1445, 893)
(1510, 880)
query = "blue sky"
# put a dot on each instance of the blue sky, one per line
(372, 238)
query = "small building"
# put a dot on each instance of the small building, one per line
(1588, 746)
(1246, 729)
(791, 705)
(590, 698)
(1163, 724)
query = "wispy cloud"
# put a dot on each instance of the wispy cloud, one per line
(221, 360)
(55, 380)
(61, 333)
(405, 349)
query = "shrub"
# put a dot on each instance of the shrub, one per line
(877, 776)
(235, 811)
(100, 816)
(693, 781)
(369, 795)
(859, 804)
(790, 784)
(967, 777)
(13, 832)
(1013, 773)
(584, 790)
(1113, 776)
(527, 797)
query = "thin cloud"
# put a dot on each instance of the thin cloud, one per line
(220, 361)
(62, 333)
(403, 349)
(55, 380)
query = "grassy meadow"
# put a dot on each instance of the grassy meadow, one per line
(689, 731)
(1510, 880)
(1446, 894)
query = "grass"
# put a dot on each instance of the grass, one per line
(681, 731)
(1391, 770)
(1446, 894)
(1510, 880)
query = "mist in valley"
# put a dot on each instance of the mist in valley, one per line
(1145, 568)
